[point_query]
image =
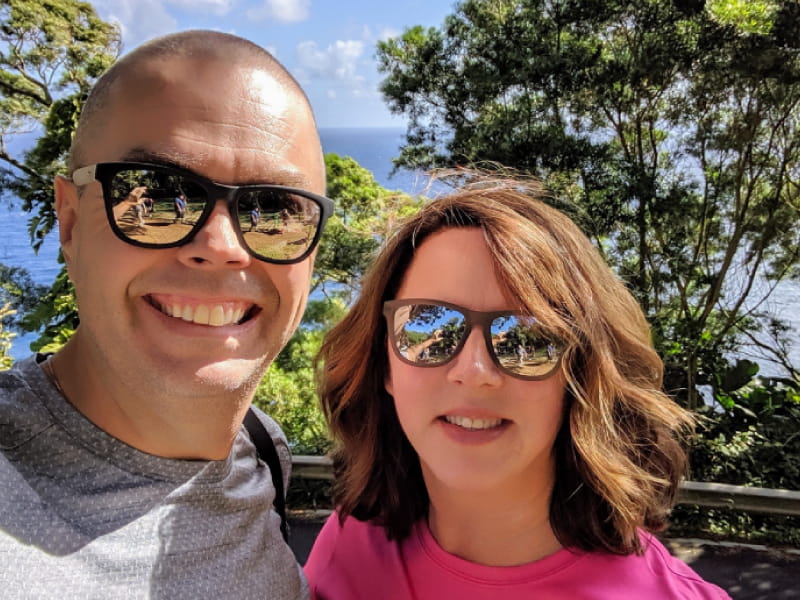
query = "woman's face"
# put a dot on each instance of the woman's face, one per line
(474, 427)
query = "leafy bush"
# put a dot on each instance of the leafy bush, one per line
(749, 436)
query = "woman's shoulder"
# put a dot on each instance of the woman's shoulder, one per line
(655, 571)
(351, 558)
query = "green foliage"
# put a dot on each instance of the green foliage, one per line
(734, 525)
(751, 437)
(287, 391)
(748, 16)
(673, 126)
(6, 336)
(288, 398)
(18, 292)
(55, 316)
(363, 214)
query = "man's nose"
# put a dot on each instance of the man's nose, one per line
(473, 365)
(217, 243)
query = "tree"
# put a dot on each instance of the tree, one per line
(364, 212)
(51, 52)
(671, 126)
(18, 293)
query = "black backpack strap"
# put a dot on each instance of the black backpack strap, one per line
(267, 452)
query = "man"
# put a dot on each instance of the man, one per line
(180, 208)
(125, 471)
(255, 215)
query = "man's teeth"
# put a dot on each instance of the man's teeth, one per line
(474, 424)
(215, 315)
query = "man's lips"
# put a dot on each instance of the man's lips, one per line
(212, 313)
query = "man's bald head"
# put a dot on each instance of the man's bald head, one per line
(194, 45)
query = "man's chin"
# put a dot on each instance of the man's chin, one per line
(230, 375)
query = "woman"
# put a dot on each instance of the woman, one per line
(473, 471)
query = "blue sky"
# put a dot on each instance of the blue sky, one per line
(329, 46)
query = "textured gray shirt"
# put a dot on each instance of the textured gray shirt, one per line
(83, 515)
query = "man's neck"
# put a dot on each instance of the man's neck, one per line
(158, 426)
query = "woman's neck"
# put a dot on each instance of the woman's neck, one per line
(500, 529)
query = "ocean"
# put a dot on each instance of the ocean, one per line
(372, 148)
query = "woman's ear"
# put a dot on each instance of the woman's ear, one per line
(387, 381)
(387, 384)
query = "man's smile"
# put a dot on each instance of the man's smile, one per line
(213, 313)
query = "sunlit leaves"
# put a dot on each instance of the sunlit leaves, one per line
(748, 16)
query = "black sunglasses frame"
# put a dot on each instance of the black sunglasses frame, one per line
(105, 172)
(472, 318)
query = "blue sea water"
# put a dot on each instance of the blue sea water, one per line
(372, 148)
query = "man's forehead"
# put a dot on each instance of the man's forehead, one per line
(215, 75)
(233, 122)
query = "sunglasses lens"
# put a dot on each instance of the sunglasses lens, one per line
(523, 348)
(155, 207)
(276, 224)
(427, 334)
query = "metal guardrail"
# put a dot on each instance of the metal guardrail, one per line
(739, 497)
(312, 467)
(715, 495)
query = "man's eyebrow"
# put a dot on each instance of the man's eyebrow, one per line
(286, 177)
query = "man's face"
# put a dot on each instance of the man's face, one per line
(233, 126)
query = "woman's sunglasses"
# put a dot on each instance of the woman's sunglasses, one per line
(155, 206)
(430, 333)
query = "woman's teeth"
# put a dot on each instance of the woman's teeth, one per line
(472, 424)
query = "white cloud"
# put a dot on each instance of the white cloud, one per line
(337, 62)
(389, 32)
(215, 7)
(331, 94)
(139, 20)
(283, 11)
(384, 33)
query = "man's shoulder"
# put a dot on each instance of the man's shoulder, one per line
(23, 414)
(16, 376)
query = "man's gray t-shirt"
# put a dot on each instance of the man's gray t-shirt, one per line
(84, 515)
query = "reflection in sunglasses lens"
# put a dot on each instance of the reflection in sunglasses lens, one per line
(157, 207)
(277, 224)
(428, 333)
(154, 207)
(522, 347)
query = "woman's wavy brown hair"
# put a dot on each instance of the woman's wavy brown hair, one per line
(618, 455)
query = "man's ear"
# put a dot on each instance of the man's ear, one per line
(66, 194)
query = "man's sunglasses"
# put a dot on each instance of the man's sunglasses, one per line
(430, 333)
(154, 206)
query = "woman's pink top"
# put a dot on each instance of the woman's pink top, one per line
(357, 561)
